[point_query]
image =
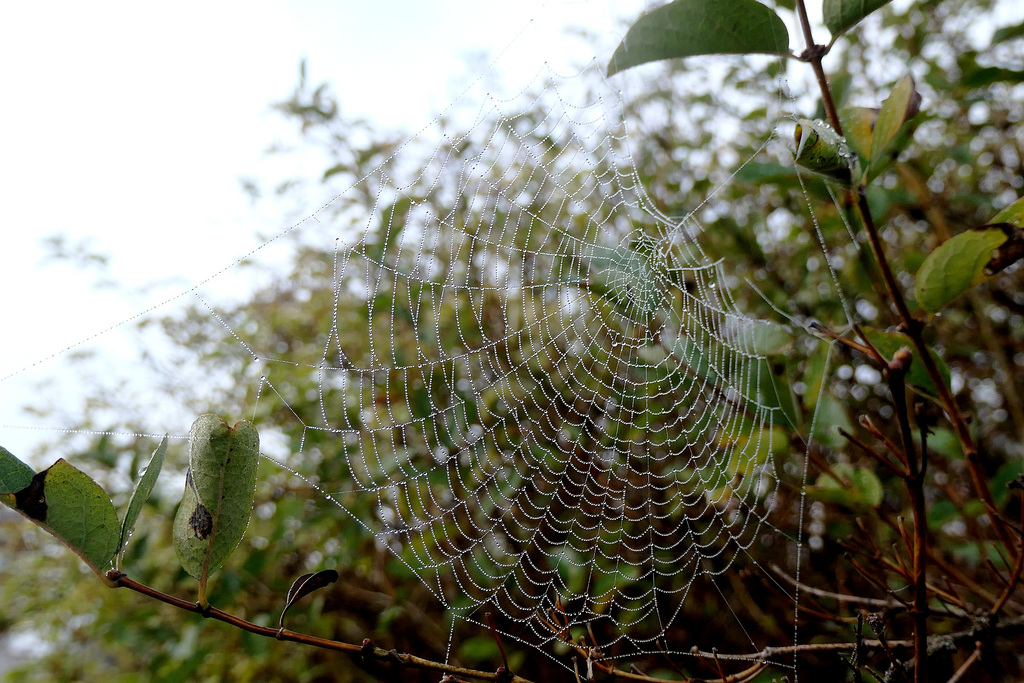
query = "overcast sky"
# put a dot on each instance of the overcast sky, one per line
(127, 126)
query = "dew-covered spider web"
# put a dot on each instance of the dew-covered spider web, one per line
(540, 384)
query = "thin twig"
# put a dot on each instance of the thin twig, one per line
(975, 656)
(367, 650)
(839, 597)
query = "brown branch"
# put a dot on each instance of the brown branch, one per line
(897, 375)
(1014, 579)
(814, 54)
(975, 656)
(366, 651)
(839, 597)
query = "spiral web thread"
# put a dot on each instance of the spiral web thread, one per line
(543, 384)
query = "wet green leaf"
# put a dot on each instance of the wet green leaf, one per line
(685, 28)
(841, 15)
(822, 151)
(955, 266)
(218, 498)
(143, 488)
(70, 505)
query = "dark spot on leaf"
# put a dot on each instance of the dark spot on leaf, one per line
(201, 522)
(31, 499)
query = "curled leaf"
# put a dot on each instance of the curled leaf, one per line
(143, 488)
(304, 585)
(822, 151)
(218, 498)
(891, 133)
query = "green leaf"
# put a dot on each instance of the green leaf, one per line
(860, 487)
(304, 585)
(1008, 33)
(14, 474)
(955, 266)
(686, 28)
(840, 15)
(217, 502)
(888, 343)
(1013, 214)
(902, 105)
(143, 487)
(67, 503)
(822, 151)
(858, 127)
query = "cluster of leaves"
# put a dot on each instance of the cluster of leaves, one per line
(940, 155)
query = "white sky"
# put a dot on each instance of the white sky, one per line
(130, 124)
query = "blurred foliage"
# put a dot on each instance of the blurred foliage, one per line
(691, 134)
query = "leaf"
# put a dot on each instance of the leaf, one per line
(903, 104)
(955, 266)
(143, 487)
(686, 28)
(1014, 214)
(304, 585)
(840, 15)
(1008, 33)
(67, 503)
(858, 127)
(217, 502)
(822, 151)
(888, 343)
(14, 474)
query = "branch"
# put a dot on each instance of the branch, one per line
(365, 651)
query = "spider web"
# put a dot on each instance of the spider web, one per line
(544, 385)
